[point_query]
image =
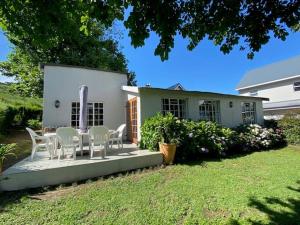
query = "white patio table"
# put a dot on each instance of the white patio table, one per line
(53, 138)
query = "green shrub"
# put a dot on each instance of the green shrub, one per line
(194, 139)
(12, 116)
(34, 124)
(160, 128)
(253, 137)
(290, 124)
(204, 137)
(6, 150)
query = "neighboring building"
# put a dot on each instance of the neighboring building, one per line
(280, 82)
(112, 103)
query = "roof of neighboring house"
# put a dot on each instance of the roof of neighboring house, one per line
(177, 87)
(292, 104)
(199, 93)
(282, 70)
(80, 67)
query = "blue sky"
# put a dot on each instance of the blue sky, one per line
(204, 69)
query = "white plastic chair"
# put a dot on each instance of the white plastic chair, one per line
(67, 139)
(98, 138)
(117, 136)
(44, 143)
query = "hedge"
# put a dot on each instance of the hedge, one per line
(290, 124)
(12, 116)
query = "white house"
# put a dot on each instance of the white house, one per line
(280, 82)
(112, 103)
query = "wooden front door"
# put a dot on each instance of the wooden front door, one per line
(132, 120)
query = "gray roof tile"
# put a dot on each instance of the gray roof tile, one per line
(272, 72)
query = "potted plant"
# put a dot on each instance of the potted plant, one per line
(168, 132)
(5, 150)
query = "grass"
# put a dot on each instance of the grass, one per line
(11, 99)
(259, 188)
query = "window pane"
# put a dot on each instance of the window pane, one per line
(209, 110)
(174, 106)
(249, 112)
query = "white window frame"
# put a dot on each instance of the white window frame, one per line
(209, 110)
(100, 121)
(249, 112)
(296, 86)
(181, 108)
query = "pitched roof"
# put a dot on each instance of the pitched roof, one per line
(292, 104)
(273, 72)
(184, 92)
(177, 86)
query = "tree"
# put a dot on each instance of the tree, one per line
(227, 23)
(65, 41)
(28, 76)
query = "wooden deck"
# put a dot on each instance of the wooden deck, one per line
(44, 172)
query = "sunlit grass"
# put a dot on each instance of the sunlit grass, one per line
(259, 188)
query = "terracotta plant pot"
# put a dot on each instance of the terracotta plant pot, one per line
(168, 151)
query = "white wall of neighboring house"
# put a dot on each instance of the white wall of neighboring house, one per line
(62, 83)
(230, 117)
(276, 92)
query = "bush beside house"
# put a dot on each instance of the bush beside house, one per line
(198, 138)
(290, 124)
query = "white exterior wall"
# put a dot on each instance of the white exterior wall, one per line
(230, 117)
(276, 92)
(62, 83)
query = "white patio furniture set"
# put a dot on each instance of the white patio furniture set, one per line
(99, 138)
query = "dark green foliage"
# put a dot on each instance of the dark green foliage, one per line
(192, 138)
(16, 110)
(195, 139)
(59, 32)
(290, 125)
(17, 116)
(271, 123)
(34, 124)
(248, 24)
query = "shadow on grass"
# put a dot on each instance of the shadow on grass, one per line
(279, 211)
(8, 199)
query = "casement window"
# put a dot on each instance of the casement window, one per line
(175, 106)
(254, 93)
(209, 110)
(95, 114)
(297, 86)
(249, 112)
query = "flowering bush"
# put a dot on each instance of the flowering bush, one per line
(194, 139)
(254, 137)
(203, 138)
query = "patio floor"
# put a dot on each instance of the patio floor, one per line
(43, 172)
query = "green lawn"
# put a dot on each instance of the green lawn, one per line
(260, 188)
